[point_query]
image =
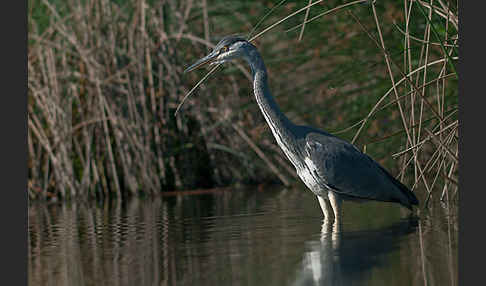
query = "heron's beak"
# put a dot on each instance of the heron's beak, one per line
(206, 60)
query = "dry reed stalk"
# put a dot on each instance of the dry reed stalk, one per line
(305, 19)
(257, 150)
(313, 18)
(206, 21)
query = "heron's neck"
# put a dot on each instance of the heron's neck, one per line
(282, 128)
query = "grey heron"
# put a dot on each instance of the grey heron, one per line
(332, 168)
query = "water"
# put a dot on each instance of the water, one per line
(238, 237)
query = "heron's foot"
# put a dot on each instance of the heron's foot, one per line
(338, 224)
(326, 226)
(336, 205)
(325, 208)
(327, 220)
(338, 217)
(330, 230)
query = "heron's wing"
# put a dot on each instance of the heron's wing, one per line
(347, 170)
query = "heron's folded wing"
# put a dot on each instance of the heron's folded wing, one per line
(347, 170)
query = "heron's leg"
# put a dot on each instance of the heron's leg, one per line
(324, 207)
(336, 202)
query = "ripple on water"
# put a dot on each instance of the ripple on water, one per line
(247, 237)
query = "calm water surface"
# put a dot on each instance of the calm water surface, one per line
(239, 237)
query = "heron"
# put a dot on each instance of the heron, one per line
(331, 168)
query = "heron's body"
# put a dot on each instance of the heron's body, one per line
(331, 168)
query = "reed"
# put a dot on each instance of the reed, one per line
(105, 78)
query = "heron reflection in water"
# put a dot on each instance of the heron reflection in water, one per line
(344, 257)
(330, 167)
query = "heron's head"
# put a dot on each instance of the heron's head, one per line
(229, 48)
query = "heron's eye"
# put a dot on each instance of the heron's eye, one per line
(224, 49)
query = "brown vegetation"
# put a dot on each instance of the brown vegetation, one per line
(104, 80)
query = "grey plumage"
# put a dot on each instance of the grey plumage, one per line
(330, 167)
